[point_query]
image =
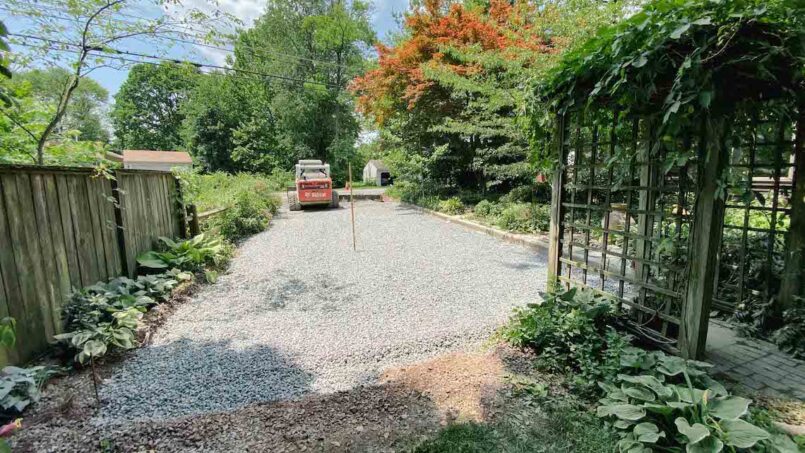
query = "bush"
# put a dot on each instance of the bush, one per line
(520, 194)
(105, 315)
(219, 190)
(572, 333)
(250, 214)
(451, 206)
(525, 218)
(191, 255)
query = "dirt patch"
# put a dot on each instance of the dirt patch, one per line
(407, 405)
(458, 384)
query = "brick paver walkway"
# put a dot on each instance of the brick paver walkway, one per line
(755, 364)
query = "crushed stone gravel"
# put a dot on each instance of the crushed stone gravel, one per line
(300, 312)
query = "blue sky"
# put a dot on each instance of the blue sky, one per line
(383, 22)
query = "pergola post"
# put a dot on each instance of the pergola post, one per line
(794, 270)
(705, 241)
(557, 214)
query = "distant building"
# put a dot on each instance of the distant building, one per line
(155, 160)
(375, 172)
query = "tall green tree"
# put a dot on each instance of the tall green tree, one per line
(86, 108)
(147, 112)
(305, 52)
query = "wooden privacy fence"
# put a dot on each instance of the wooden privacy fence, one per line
(66, 228)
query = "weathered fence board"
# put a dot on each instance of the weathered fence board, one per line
(61, 229)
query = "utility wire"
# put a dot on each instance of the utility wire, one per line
(115, 53)
(257, 51)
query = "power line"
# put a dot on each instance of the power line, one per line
(114, 53)
(257, 51)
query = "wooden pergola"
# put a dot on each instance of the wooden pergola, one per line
(669, 242)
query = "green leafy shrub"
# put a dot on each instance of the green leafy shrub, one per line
(19, 387)
(219, 190)
(94, 341)
(451, 206)
(488, 210)
(250, 214)
(190, 255)
(665, 403)
(105, 315)
(520, 194)
(571, 331)
(525, 218)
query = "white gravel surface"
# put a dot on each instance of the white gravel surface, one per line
(299, 311)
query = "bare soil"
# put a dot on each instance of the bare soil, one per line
(405, 406)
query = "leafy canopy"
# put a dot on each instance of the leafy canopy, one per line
(147, 112)
(681, 57)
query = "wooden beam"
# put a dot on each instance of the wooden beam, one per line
(705, 241)
(557, 211)
(794, 270)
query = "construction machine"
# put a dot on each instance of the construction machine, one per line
(313, 186)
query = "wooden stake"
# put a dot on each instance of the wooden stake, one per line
(94, 379)
(352, 207)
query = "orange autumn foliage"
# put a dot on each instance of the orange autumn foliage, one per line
(400, 80)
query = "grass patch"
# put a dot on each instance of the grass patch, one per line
(553, 427)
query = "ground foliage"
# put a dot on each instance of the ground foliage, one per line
(654, 401)
(250, 214)
(104, 316)
(220, 190)
(681, 61)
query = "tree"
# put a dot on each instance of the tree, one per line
(308, 51)
(86, 107)
(147, 113)
(211, 113)
(451, 92)
(83, 37)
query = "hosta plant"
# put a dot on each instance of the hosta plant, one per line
(19, 387)
(666, 403)
(94, 341)
(190, 255)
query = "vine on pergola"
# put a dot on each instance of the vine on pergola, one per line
(681, 61)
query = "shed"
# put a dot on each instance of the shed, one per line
(375, 172)
(156, 160)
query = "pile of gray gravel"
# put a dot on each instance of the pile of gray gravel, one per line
(299, 311)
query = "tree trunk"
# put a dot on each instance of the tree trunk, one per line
(61, 108)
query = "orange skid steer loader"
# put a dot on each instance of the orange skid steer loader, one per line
(313, 186)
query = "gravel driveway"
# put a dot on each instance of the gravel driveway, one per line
(299, 312)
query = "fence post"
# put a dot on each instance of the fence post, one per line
(192, 213)
(180, 209)
(119, 232)
(705, 241)
(557, 213)
(794, 270)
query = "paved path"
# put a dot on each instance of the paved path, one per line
(300, 312)
(757, 365)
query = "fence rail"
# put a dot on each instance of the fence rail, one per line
(63, 228)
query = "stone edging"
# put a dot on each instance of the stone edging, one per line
(519, 239)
